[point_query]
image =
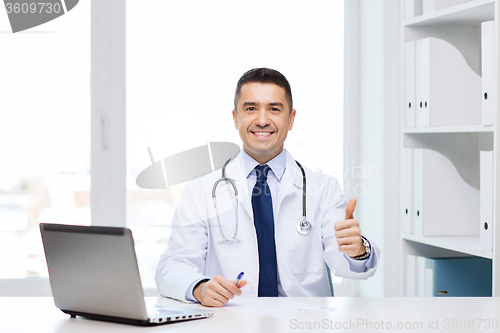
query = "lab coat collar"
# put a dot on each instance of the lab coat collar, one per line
(291, 175)
(277, 164)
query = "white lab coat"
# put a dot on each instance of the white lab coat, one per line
(194, 250)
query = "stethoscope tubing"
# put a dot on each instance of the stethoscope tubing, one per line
(303, 227)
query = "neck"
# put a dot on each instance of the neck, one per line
(263, 158)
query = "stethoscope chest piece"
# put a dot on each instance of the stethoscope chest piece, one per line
(304, 227)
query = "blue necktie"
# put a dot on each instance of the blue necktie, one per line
(262, 206)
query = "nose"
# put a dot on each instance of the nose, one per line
(262, 118)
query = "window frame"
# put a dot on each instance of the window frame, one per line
(107, 126)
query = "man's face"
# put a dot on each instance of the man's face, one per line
(263, 118)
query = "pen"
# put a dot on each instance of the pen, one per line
(238, 279)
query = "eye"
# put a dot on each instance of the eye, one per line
(250, 108)
(275, 109)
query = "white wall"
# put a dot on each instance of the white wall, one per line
(372, 135)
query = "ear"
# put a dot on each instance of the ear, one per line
(291, 120)
(235, 118)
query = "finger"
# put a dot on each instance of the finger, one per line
(348, 232)
(349, 249)
(230, 287)
(346, 224)
(213, 302)
(351, 232)
(223, 291)
(214, 294)
(242, 283)
(348, 241)
(349, 209)
(225, 287)
(238, 291)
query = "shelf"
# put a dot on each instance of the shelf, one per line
(463, 244)
(448, 129)
(470, 13)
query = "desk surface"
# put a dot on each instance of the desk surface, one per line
(38, 314)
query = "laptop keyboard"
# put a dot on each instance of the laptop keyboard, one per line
(155, 311)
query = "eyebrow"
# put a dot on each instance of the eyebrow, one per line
(270, 104)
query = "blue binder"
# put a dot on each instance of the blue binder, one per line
(461, 277)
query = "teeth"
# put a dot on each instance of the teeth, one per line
(262, 133)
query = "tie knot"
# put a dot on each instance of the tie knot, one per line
(261, 171)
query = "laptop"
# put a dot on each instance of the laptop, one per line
(93, 273)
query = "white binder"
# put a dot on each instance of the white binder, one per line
(406, 180)
(445, 205)
(418, 191)
(443, 4)
(410, 83)
(411, 274)
(428, 6)
(486, 195)
(447, 90)
(413, 8)
(420, 276)
(422, 82)
(488, 71)
(429, 277)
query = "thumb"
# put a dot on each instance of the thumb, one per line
(349, 209)
(242, 283)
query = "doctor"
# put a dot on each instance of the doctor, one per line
(260, 235)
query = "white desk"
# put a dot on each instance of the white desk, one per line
(38, 314)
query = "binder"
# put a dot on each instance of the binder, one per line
(447, 90)
(422, 82)
(429, 277)
(449, 277)
(461, 277)
(411, 275)
(444, 203)
(486, 200)
(413, 8)
(443, 4)
(420, 276)
(428, 6)
(488, 71)
(418, 191)
(410, 83)
(406, 189)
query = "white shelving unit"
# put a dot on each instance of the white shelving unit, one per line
(459, 25)
(448, 129)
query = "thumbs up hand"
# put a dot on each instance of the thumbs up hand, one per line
(348, 233)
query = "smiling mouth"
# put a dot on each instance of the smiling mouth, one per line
(262, 134)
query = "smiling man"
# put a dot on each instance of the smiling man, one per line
(279, 253)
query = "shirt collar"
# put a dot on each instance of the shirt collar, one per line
(277, 164)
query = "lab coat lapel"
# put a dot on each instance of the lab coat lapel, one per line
(236, 171)
(290, 183)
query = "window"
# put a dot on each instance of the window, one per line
(183, 61)
(44, 135)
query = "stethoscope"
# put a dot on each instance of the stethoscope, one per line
(303, 227)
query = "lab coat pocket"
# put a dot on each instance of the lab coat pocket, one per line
(305, 252)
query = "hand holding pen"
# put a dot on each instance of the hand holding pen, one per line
(218, 290)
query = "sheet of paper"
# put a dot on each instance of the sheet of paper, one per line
(273, 306)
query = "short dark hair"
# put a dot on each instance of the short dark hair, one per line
(264, 75)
